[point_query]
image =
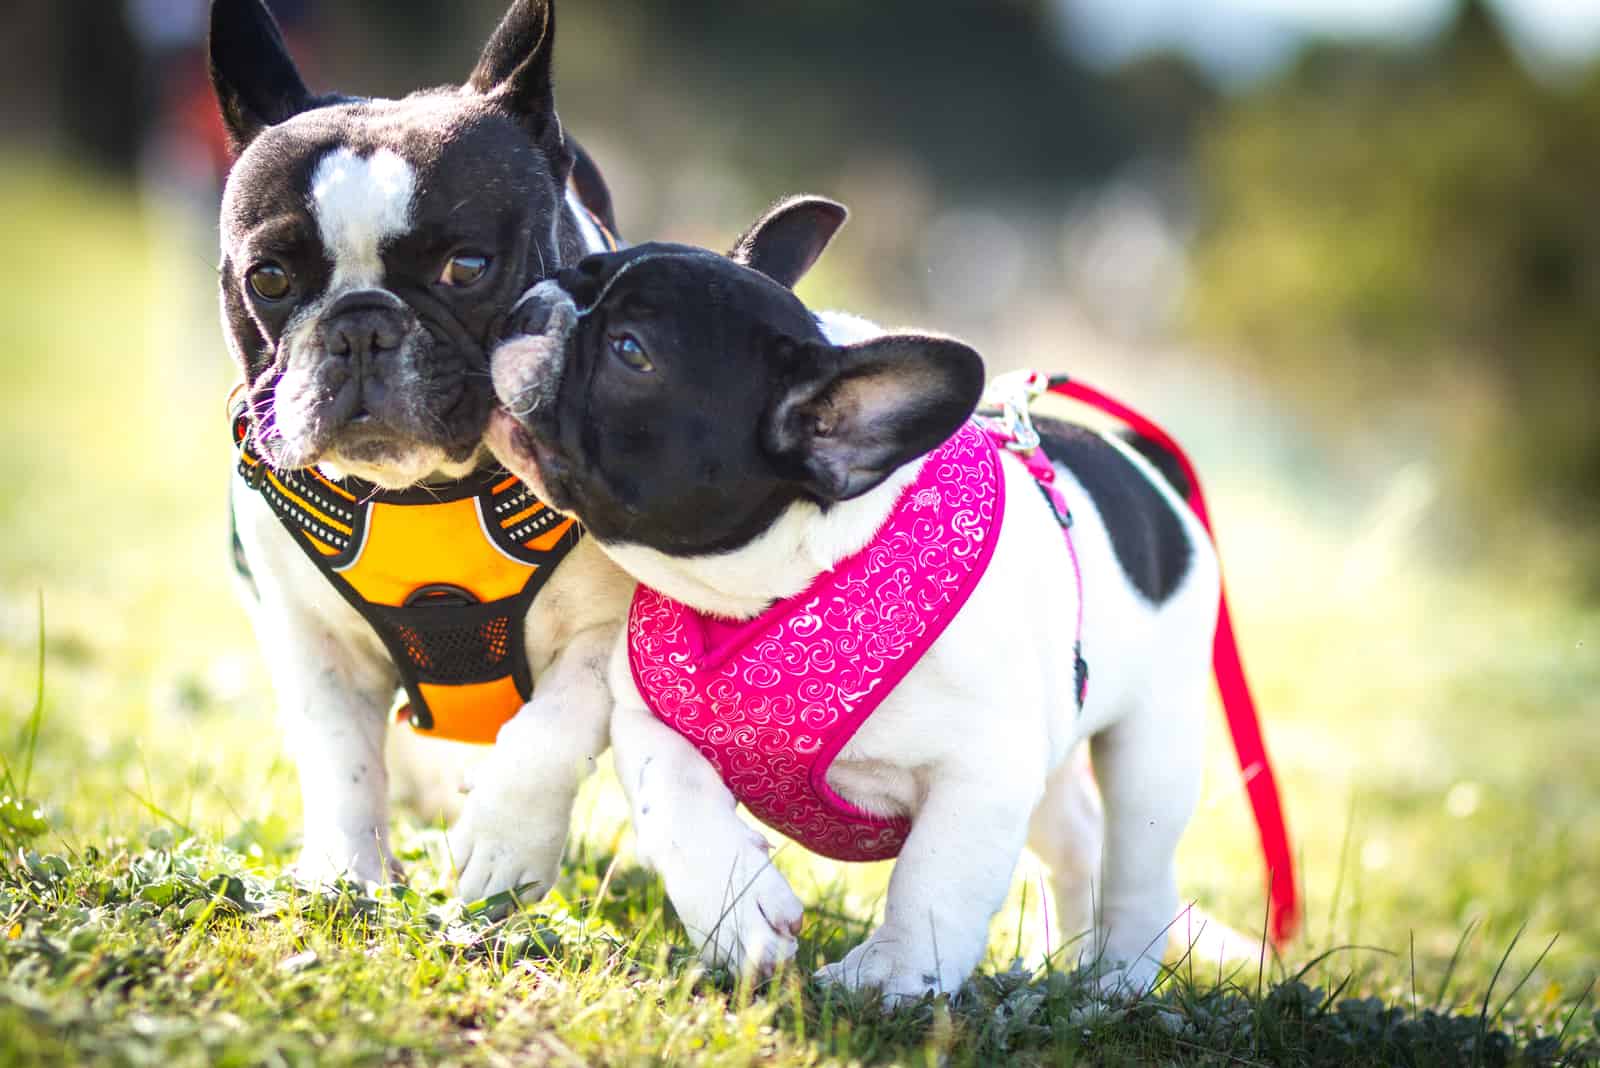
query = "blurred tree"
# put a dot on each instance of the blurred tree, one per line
(979, 89)
(1417, 232)
(91, 58)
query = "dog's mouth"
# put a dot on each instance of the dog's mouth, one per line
(364, 440)
(531, 458)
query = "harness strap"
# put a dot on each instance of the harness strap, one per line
(1244, 723)
(1023, 443)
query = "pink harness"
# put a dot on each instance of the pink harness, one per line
(771, 701)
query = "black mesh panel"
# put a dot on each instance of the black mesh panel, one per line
(450, 644)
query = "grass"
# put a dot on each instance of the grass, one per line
(1437, 729)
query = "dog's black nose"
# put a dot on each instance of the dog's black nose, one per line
(359, 333)
(529, 317)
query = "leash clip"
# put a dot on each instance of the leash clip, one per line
(1013, 394)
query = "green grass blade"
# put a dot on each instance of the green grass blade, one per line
(37, 717)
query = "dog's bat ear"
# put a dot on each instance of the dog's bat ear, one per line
(255, 80)
(859, 412)
(788, 238)
(514, 69)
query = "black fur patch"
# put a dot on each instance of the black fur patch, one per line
(1147, 536)
(1161, 460)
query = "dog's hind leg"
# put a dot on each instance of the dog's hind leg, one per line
(1066, 834)
(1148, 766)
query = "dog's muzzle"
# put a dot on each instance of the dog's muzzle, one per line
(528, 365)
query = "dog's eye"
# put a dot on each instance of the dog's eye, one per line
(463, 270)
(269, 281)
(626, 348)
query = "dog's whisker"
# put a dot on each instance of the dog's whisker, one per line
(525, 411)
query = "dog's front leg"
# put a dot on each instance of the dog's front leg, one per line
(513, 827)
(735, 905)
(333, 704)
(950, 880)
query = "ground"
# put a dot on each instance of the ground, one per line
(1436, 726)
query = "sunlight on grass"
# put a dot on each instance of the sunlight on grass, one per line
(1436, 731)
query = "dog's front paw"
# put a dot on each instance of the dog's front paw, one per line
(751, 923)
(887, 964)
(1124, 981)
(330, 858)
(495, 847)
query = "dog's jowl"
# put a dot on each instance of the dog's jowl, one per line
(859, 614)
(372, 253)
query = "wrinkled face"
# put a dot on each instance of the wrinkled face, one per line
(637, 398)
(371, 250)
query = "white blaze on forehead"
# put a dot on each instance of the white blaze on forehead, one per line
(360, 202)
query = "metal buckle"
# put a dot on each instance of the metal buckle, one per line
(1014, 393)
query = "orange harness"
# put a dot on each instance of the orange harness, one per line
(444, 575)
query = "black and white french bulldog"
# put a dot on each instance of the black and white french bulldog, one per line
(372, 253)
(726, 447)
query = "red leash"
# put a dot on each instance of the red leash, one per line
(1240, 707)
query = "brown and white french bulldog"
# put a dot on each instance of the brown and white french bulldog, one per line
(373, 251)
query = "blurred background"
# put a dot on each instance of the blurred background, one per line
(1348, 250)
(1383, 209)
